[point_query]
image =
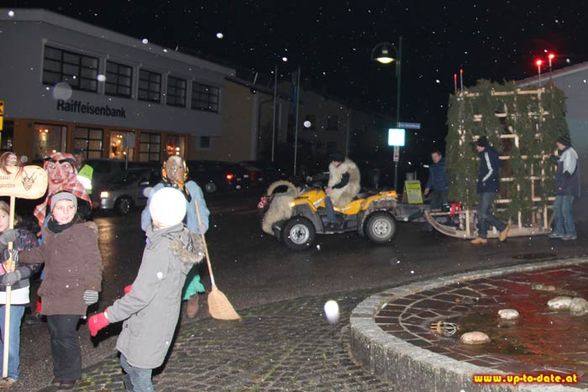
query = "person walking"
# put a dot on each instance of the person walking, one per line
(567, 188)
(488, 186)
(73, 277)
(174, 174)
(19, 281)
(438, 183)
(151, 307)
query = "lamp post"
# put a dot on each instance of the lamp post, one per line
(387, 53)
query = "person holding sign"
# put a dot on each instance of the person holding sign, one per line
(19, 281)
(437, 184)
(73, 277)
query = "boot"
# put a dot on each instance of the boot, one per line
(479, 241)
(192, 306)
(504, 233)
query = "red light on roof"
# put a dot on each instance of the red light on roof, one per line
(551, 56)
(538, 62)
(230, 176)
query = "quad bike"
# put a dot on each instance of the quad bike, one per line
(370, 215)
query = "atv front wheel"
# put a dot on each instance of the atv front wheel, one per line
(299, 233)
(380, 227)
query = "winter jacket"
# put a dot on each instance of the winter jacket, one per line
(489, 172)
(73, 264)
(20, 290)
(344, 180)
(152, 308)
(191, 220)
(438, 177)
(567, 176)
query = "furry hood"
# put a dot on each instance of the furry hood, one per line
(185, 245)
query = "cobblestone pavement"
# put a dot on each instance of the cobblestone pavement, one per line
(286, 346)
(540, 341)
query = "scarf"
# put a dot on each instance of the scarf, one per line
(55, 227)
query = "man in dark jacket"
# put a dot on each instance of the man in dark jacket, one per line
(488, 187)
(567, 187)
(438, 184)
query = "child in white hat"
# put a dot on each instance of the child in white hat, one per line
(152, 307)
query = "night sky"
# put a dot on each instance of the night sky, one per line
(332, 41)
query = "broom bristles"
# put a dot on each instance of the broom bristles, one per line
(219, 306)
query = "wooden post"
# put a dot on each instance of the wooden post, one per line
(9, 267)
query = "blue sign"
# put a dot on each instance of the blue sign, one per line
(396, 137)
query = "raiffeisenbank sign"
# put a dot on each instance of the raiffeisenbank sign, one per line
(77, 106)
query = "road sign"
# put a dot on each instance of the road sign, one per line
(408, 125)
(396, 137)
(1, 115)
(396, 153)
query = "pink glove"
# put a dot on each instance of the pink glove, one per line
(128, 289)
(97, 322)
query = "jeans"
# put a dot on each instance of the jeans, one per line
(136, 379)
(438, 199)
(16, 313)
(331, 217)
(65, 347)
(485, 217)
(563, 216)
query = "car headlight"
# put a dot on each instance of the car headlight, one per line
(104, 195)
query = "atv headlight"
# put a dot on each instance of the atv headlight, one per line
(292, 204)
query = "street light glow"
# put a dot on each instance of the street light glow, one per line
(551, 56)
(538, 62)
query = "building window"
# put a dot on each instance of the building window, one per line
(122, 144)
(88, 142)
(176, 91)
(77, 70)
(205, 97)
(149, 86)
(332, 123)
(174, 145)
(150, 147)
(119, 79)
(204, 142)
(48, 139)
(6, 141)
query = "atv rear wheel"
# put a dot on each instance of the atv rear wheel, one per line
(380, 227)
(299, 233)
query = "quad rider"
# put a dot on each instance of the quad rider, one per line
(343, 186)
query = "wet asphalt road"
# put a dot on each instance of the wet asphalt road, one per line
(252, 268)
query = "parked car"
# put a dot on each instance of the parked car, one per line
(125, 190)
(262, 172)
(214, 176)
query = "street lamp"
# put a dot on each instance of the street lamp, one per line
(387, 53)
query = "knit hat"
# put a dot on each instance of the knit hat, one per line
(482, 141)
(64, 196)
(167, 207)
(565, 140)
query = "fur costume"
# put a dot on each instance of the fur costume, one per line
(343, 196)
(279, 208)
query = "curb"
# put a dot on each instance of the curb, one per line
(413, 369)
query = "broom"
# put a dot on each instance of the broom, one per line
(219, 306)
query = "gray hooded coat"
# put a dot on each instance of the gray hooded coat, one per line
(152, 308)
